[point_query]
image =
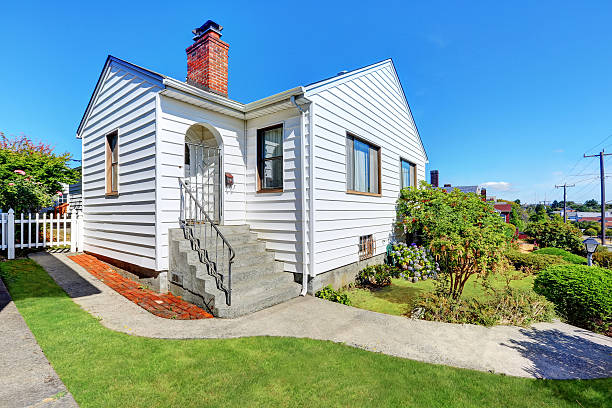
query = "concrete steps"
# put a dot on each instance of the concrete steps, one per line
(258, 280)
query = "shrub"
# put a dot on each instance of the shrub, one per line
(567, 256)
(556, 233)
(591, 232)
(464, 233)
(581, 294)
(509, 306)
(603, 258)
(532, 262)
(376, 275)
(415, 261)
(328, 293)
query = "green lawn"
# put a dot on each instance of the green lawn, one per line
(103, 368)
(398, 298)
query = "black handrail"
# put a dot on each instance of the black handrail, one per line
(189, 228)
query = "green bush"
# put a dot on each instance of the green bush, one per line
(509, 306)
(581, 294)
(328, 293)
(532, 262)
(603, 258)
(567, 256)
(376, 275)
(591, 232)
(555, 233)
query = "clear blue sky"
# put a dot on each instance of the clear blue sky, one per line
(509, 93)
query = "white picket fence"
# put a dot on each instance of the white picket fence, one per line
(41, 231)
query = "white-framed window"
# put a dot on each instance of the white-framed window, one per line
(407, 174)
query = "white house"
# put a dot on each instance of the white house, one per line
(308, 177)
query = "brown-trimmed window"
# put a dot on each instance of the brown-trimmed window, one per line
(408, 174)
(112, 163)
(367, 246)
(362, 166)
(270, 159)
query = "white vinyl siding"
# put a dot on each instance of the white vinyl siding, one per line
(121, 227)
(369, 104)
(276, 216)
(175, 118)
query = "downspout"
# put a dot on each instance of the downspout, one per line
(302, 195)
(311, 181)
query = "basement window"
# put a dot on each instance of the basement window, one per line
(367, 247)
(112, 163)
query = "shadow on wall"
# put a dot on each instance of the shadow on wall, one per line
(559, 355)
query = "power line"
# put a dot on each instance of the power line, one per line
(601, 155)
(565, 187)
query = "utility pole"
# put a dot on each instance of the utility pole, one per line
(565, 186)
(603, 192)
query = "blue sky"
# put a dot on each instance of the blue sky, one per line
(506, 93)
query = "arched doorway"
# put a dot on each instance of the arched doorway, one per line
(203, 168)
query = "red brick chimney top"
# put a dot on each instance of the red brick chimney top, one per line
(207, 59)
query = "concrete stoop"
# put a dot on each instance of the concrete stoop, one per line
(258, 280)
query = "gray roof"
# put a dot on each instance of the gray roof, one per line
(464, 189)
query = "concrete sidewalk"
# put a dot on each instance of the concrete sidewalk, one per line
(546, 350)
(26, 377)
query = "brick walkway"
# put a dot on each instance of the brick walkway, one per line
(167, 306)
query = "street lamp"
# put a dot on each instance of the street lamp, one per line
(591, 245)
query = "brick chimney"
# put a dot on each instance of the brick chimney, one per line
(207, 59)
(433, 175)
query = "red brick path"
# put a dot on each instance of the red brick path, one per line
(167, 306)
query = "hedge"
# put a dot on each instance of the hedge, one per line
(581, 294)
(567, 256)
(532, 262)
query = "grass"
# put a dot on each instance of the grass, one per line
(103, 368)
(398, 298)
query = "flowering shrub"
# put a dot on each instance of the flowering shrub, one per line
(463, 233)
(416, 261)
(376, 275)
(31, 173)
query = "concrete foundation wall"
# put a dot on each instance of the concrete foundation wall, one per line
(341, 276)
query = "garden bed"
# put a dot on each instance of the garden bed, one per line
(399, 297)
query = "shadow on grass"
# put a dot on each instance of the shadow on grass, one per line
(33, 286)
(555, 354)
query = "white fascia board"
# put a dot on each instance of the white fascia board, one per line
(209, 96)
(319, 86)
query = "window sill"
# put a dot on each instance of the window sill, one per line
(270, 190)
(364, 193)
(112, 194)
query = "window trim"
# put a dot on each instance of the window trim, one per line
(414, 179)
(379, 150)
(108, 165)
(261, 160)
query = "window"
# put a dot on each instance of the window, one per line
(367, 246)
(408, 174)
(112, 162)
(270, 159)
(362, 166)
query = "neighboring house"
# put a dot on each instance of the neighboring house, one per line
(504, 210)
(304, 181)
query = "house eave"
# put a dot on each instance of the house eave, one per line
(190, 94)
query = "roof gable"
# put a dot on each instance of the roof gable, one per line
(320, 86)
(150, 76)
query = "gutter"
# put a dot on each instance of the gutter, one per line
(302, 194)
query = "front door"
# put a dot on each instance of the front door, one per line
(203, 177)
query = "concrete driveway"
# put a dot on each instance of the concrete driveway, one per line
(545, 350)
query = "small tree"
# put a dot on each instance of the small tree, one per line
(31, 173)
(555, 233)
(464, 233)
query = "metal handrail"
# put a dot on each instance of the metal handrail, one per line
(203, 253)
